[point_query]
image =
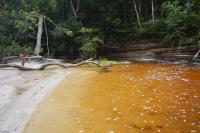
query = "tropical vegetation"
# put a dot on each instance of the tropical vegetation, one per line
(76, 28)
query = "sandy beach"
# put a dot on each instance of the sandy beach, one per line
(22, 91)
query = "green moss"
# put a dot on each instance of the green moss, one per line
(106, 62)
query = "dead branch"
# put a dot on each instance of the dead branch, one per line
(49, 64)
(196, 55)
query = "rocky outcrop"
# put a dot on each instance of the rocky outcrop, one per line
(128, 50)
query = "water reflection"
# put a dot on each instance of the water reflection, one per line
(129, 99)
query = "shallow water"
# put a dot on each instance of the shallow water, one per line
(129, 99)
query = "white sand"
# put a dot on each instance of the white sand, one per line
(21, 92)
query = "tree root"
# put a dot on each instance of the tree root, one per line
(49, 64)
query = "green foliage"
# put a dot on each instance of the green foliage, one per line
(95, 22)
(192, 24)
(12, 50)
(15, 49)
(68, 32)
(16, 27)
(89, 45)
(45, 5)
(175, 20)
(151, 30)
(198, 43)
(189, 41)
(175, 23)
(24, 21)
(89, 41)
(85, 30)
(106, 62)
(28, 50)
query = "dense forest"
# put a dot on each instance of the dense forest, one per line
(78, 27)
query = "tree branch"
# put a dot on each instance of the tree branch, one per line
(49, 64)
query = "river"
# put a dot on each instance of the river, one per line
(131, 98)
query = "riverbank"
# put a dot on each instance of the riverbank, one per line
(21, 92)
(151, 51)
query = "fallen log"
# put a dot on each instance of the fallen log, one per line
(42, 67)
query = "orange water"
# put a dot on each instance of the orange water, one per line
(130, 99)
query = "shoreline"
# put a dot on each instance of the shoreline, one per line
(71, 89)
(23, 97)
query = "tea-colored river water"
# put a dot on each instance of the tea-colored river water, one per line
(131, 98)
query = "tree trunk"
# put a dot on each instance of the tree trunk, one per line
(188, 6)
(47, 37)
(75, 8)
(133, 10)
(138, 18)
(1, 52)
(153, 15)
(179, 46)
(62, 9)
(146, 11)
(140, 7)
(39, 36)
(125, 16)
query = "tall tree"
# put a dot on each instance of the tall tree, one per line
(75, 5)
(125, 16)
(39, 35)
(137, 15)
(153, 14)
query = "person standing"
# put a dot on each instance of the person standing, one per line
(22, 59)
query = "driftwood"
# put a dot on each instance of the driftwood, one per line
(196, 55)
(49, 64)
